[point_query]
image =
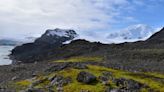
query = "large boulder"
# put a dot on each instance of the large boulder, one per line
(85, 77)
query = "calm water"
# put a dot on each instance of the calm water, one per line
(4, 52)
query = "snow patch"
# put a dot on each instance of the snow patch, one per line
(61, 32)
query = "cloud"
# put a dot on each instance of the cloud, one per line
(90, 18)
(34, 16)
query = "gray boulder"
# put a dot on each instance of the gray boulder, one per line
(85, 77)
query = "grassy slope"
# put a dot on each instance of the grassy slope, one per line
(99, 87)
(154, 80)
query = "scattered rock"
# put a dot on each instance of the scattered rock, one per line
(14, 78)
(108, 89)
(34, 74)
(57, 67)
(33, 90)
(59, 89)
(17, 68)
(60, 81)
(38, 82)
(86, 77)
(50, 90)
(115, 90)
(128, 84)
(2, 89)
(80, 66)
(105, 77)
(109, 74)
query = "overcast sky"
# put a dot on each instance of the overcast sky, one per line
(22, 18)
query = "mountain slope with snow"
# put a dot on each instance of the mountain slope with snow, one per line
(57, 36)
(132, 33)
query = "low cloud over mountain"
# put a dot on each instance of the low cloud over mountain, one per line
(132, 33)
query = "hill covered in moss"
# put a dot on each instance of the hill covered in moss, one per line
(83, 66)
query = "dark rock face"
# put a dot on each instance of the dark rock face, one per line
(157, 37)
(41, 48)
(86, 77)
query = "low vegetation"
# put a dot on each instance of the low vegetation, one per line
(82, 59)
(154, 81)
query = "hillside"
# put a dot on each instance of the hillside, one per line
(48, 65)
(114, 54)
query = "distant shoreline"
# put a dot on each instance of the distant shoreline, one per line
(4, 52)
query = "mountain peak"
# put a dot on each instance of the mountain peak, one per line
(57, 36)
(61, 32)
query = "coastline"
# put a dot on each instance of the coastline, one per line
(4, 52)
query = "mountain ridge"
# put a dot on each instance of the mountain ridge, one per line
(132, 33)
(86, 66)
(32, 52)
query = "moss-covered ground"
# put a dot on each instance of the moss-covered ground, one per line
(82, 59)
(152, 80)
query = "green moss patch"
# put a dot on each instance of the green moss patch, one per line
(23, 83)
(148, 79)
(81, 59)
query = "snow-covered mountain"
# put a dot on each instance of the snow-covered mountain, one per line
(61, 33)
(132, 33)
(57, 36)
(65, 36)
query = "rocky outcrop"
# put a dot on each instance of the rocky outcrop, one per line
(85, 77)
(41, 48)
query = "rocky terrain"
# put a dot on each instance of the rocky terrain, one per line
(48, 65)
